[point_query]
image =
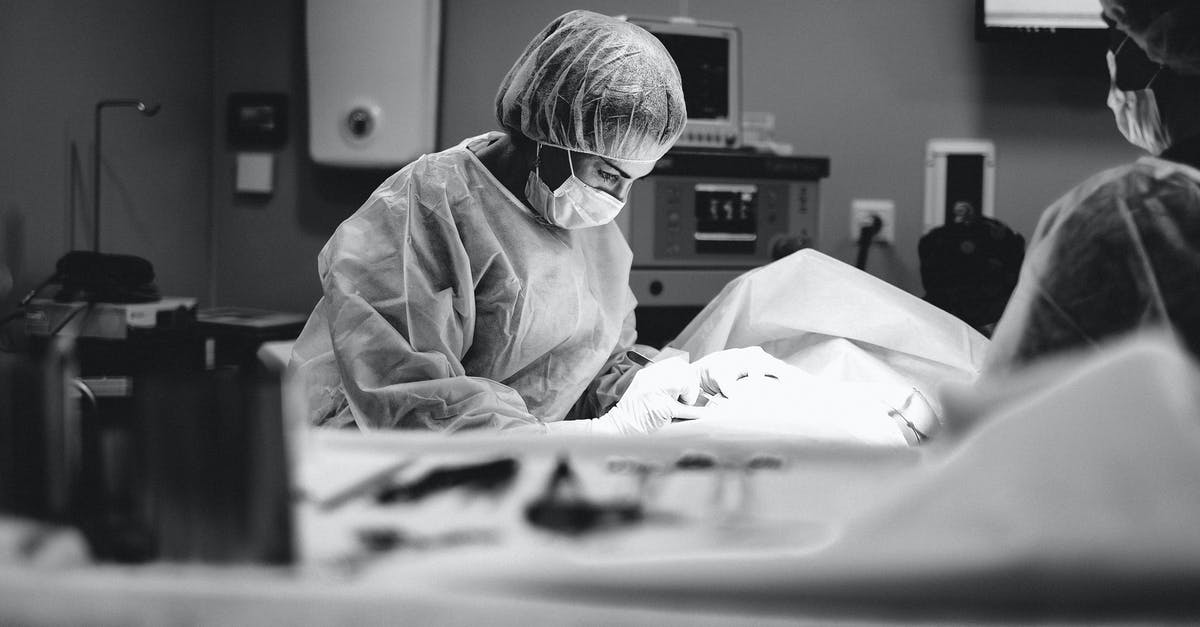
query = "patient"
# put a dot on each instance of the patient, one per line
(866, 360)
(802, 406)
(1121, 251)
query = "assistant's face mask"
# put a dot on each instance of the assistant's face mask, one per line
(1136, 112)
(574, 205)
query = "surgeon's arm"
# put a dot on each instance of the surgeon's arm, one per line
(398, 286)
(652, 401)
(615, 377)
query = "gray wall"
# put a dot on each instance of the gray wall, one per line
(266, 257)
(267, 246)
(57, 58)
(864, 82)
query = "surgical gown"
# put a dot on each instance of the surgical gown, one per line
(1119, 252)
(449, 305)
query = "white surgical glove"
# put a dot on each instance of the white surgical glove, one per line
(651, 402)
(720, 371)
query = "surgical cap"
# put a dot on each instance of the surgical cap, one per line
(1168, 30)
(595, 84)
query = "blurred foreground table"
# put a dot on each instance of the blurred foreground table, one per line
(449, 557)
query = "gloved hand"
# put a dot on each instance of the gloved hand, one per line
(719, 371)
(651, 402)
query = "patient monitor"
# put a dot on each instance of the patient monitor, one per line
(708, 55)
(711, 209)
(704, 217)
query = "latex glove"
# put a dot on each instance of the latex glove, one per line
(720, 371)
(651, 402)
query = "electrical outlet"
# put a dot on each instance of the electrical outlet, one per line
(863, 209)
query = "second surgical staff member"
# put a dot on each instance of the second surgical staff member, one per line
(1122, 250)
(486, 286)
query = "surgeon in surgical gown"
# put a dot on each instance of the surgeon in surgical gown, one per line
(486, 286)
(1122, 250)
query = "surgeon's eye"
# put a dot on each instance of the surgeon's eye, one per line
(608, 177)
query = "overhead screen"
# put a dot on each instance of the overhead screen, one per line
(1042, 15)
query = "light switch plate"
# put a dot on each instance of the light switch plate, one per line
(255, 173)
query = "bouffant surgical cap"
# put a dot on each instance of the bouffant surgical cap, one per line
(1168, 30)
(595, 84)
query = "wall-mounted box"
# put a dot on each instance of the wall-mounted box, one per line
(372, 80)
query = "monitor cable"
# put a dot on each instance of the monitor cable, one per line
(866, 235)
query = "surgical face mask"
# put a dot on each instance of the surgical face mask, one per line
(1136, 112)
(574, 205)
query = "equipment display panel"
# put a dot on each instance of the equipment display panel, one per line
(726, 218)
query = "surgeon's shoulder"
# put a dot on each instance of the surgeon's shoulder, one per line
(1095, 196)
(1166, 182)
(1108, 202)
(434, 183)
(408, 187)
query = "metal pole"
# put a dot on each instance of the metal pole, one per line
(96, 177)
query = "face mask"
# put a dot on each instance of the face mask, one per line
(1137, 114)
(574, 205)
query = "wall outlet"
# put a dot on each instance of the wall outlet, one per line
(863, 209)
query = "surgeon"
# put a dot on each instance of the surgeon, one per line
(486, 286)
(1122, 250)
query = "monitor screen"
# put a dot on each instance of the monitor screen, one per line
(1042, 15)
(726, 218)
(708, 55)
(704, 67)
